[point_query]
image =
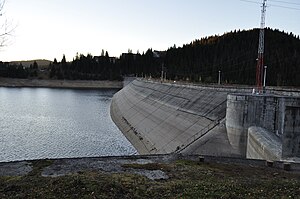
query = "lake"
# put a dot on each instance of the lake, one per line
(38, 123)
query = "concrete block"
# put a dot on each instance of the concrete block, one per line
(263, 144)
(286, 166)
(269, 163)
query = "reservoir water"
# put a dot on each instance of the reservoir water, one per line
(38, 123)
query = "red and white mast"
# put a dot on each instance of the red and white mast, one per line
(261, 46)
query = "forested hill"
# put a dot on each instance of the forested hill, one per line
(235, 54)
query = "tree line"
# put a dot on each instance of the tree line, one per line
(232, 54)
(86, 68)
(105, 67)
(18, 70)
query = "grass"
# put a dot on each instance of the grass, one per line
(188, 179)
(149, 166)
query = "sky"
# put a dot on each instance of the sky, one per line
(47, 29)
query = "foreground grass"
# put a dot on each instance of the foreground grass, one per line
(187, 179)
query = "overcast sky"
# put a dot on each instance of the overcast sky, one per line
(47, 29)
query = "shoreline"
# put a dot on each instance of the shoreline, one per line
(72, 84)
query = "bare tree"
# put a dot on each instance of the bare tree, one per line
(6, 28)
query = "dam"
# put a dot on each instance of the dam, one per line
(160, 118)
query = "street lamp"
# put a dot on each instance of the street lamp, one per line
(265, 77)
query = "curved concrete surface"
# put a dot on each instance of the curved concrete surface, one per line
(163, 118)
(236, 122)
(263, 144)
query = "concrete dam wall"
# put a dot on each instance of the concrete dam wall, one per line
(159, 118)
(163, 118)
(264, 126)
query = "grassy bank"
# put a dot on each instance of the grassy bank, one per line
(186, 179)
(84, 84)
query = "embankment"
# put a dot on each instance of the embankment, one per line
(162, 118)
(83, 84)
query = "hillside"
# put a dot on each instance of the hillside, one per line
(41, 62)
(235, 54)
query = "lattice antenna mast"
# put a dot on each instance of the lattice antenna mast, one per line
(261, 46)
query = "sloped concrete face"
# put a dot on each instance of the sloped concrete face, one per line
(163, 118)
(159, 118)
(263, 144)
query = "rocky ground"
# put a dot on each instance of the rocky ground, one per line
(159, 176)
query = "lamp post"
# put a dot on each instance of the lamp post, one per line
(219, 81)
(265, 77)
(162, 73)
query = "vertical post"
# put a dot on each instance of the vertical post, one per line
(162, 72)
(265, 77)
(219, 81)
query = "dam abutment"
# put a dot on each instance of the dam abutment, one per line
(275, 115)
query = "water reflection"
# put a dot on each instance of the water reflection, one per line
(55, 123)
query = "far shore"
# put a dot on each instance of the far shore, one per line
(42, 83)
